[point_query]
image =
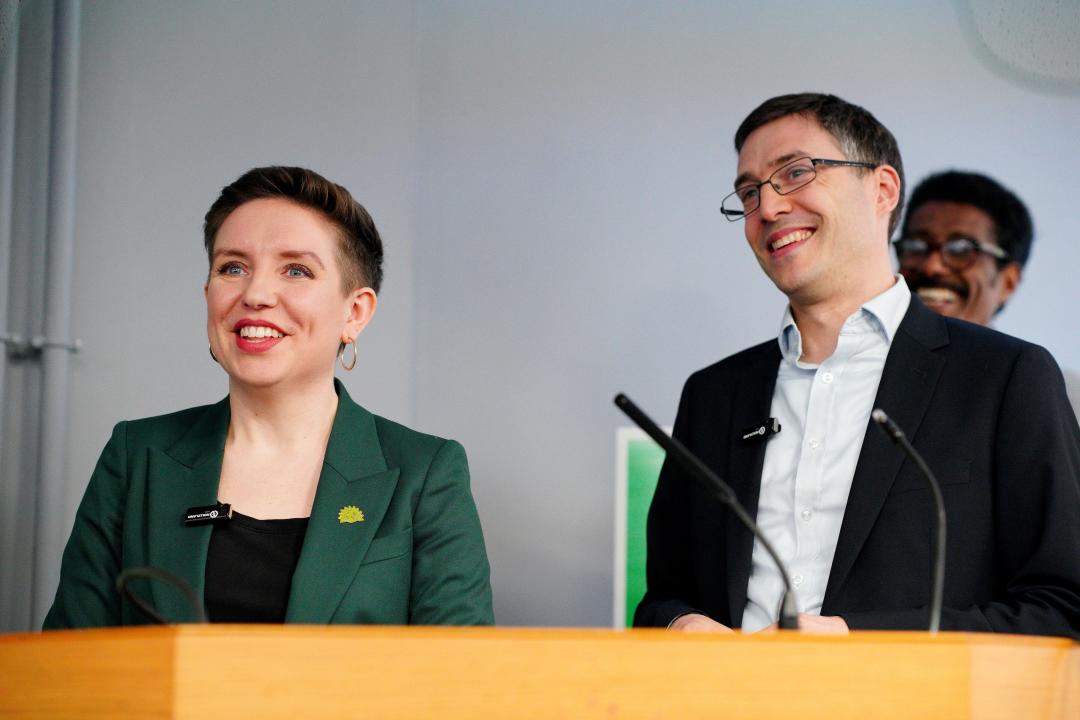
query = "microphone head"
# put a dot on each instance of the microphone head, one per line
(891, 429)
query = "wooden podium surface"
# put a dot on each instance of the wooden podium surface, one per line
(238, 671)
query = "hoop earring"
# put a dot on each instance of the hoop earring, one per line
(341, 355)
(212, 356)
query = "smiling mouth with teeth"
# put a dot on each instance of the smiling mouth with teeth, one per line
(258, 332)
(943, 294)
(939, 296)
(792, 237)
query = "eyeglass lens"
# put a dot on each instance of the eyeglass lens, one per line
(784, 180)
(958, 253)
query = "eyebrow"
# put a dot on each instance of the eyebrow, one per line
(776, 162)
(298, 254)
(219, 252)
(287, 254)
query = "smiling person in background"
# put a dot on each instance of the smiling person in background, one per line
(963, 246)
(285, 501)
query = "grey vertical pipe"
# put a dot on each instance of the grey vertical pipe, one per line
(9, 55)
(51, 529)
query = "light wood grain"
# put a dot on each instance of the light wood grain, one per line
(343, 672)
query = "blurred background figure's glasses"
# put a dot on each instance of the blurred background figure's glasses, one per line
(958, 253)
(785, 179)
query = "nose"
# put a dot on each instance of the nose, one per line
(771, 203)
(260, 290)
(933, 264)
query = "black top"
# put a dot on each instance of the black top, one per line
(249, 568)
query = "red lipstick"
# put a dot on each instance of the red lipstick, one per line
(257, 344)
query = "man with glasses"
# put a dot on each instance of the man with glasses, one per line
(962, 249)
(819, 189)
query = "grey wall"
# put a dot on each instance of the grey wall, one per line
(546, 176)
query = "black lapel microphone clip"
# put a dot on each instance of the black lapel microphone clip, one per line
(216, 513)
(761, 431)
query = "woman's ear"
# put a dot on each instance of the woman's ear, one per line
(360, 310)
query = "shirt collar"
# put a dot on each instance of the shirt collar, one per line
(889, 308)
(883, 313)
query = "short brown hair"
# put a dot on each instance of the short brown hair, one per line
(360, 250)
(860, 136)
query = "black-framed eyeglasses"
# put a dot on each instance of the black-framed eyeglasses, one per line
(957, 253)
(785, 179)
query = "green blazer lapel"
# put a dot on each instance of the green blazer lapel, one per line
(184, 475)
(355, 482)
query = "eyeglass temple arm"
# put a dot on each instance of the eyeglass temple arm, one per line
(846, 163)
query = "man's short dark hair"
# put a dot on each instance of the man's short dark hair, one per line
(860, 136)
(1013, 228)
(360, 249)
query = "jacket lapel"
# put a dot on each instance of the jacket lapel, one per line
(752, 403)
(354, 475)
(911, 372)
(183, 476)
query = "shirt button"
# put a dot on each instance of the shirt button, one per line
(797, 580)
(814, 444)
(827, 378)
(806, 515)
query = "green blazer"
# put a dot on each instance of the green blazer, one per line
(416, 557)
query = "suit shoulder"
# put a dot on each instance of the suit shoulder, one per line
(160, 429)
(733, 365)
(403, 445)
(979, 335)
(985, 345)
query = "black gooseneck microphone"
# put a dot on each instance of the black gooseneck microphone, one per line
(153, 573)
(789, 611)
(894, 433)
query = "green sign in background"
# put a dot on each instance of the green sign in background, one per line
(644, 458)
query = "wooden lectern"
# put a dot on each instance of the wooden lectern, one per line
(233, 671)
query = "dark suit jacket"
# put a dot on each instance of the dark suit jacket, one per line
(989, 414)
(417, 557)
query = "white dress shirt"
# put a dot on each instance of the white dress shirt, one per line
(806, 477)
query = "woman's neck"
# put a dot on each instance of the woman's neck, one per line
(282, 418)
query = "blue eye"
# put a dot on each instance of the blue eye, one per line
(298, 271)
(231, 268)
